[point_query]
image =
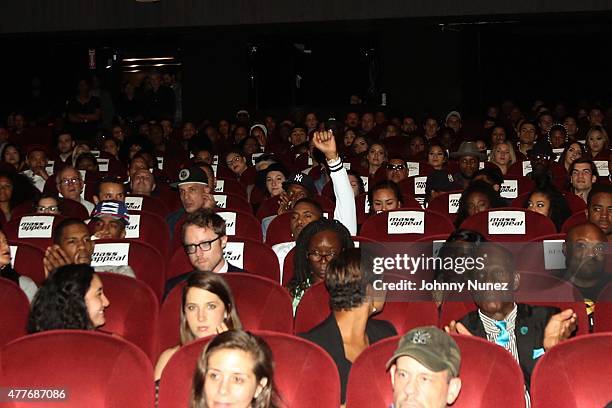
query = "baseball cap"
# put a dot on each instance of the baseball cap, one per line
(431, 347)
(301, 179)
(452, 113)
(111, 208)
(191, 175)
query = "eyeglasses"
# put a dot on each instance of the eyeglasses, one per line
(66, 182)
(204, 246)
(395, 167)
(232, 161)
(50, 209)
(317, 256)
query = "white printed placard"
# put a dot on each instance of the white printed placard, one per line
(526, 167)
(221, 200)
(214, 167)
(406, 222)
(481, 165)
(366, 207)
(602, 168)
(95, 153)
(326, 215)
(509, 189)
(160, 162)
(111, 254)
(219, 186)
(453, 203)
(554, 258)
(13, 249)
(347, 166)
(230, 221)
(366, 182)
(254, 156)
(133, 229)
(310, 162)
(49, 168)
(35, 226)
(419, 185)
(413, 168)
(558, 153)
(133, 203)
(83, 174)
(506, 222)
(234, 253)
(215, 159)
(103, 164)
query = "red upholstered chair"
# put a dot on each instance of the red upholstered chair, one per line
(603, 310)
(576, 219)
(232, 202)
(261, 305)
(133, 311)
(362, 205)
(279, 230)
(514, 186)
(490, 376)
(146, 261)
(257, 259)
(151, 229)
(137, 203)
(442, 203)
(230, 186)
(28, 260)
(452, 310)
(533, 254)
(97, 370)
(16, 310)
(13, 233)
(305, 375)
(573, 374)
(377, 227)
(533, 224)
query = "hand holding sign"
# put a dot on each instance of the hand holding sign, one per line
(326, 143)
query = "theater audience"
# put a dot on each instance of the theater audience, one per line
(207, 308)
(72, 297)
(236, 369)
(349, 329)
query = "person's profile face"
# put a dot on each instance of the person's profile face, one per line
(360, 145)
(6, 189)
(600, 212)
(414, 385)
(303, 214)
(77, 244)
(384, 199)
(354, 184)
(573, 152)
(204, 312)
(230, 379)
(322, 248)
(96, 302)
(211, 259)
(5, 251)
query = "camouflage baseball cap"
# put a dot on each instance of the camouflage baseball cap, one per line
(431, 347)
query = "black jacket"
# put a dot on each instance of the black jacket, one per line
(528, 330)
(327, 335)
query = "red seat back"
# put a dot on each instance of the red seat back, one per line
(133, 311)
(576, 219)
(279, 229)
(232, 202)
(603, 310)
(16, 310)
(572, 374)
(406, 224)
(137, 203)
(445, 203)
(12, 231)
(28, 260)
(496, 224)
(97, 370)
(152, 229)
(299, 368)
(230, 186)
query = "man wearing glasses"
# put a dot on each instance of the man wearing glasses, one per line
(204, 239)
(70, 185)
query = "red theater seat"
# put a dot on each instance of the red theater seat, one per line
(232, 202)
(603, 310)
(261, 305)
(230, 186)
(431, 223)
(152, 230)
(441, 204)
(489, 374)
(362, 206)
(29, 261)
(576, 219)
(495, 225)
(573, 374)
(97, 370)
(11, 229)
(133, 311)
(542, 254)
(279, 229)
(137, 203)
(16, 310)
(305, 374)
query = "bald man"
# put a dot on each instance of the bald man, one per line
(585, 250)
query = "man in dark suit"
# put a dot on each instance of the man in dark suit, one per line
(204, 240)
(527, 332)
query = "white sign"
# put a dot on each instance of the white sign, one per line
(255, 156)
(160, 162)
(133, 229)
(526, 167)
(509, 189)
(95, 153)
(234, 253)
(221, 200)
(406, 222)
(230, 221)
(35, 226)
(367, 205)
(13, 249)
(558, 152)
(347, 166)
(553, 254)
(133, 203)
(103, 164)
(419, 185)
(481, 165)
(310, 162)
(219, 186)
(602, 168)
(453, 203)
(83, 174)
(413, 168)
(506, 222)
(366, 182)
(49, 167)
(214, 167)
(215, 160)
(110, 254)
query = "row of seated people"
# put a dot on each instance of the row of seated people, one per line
(208, 307)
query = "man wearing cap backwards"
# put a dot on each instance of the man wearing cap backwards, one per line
(195, 194)
(425, 369)
(37, 163)
(469, 160)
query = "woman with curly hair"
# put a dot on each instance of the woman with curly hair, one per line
(72, 297)
(545, 199)
(317, 244)
(478, 197)
(235, 369)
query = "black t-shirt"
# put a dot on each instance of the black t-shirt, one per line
(82, 130)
